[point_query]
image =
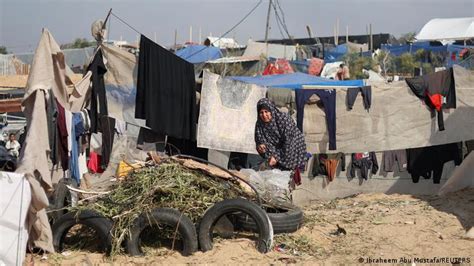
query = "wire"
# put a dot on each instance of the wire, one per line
(279, 27)
(280, 21)
(231, 29)
(123, 21)
(278, 24)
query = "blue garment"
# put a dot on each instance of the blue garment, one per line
(77, 129)
(328, 98)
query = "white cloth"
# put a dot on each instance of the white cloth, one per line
(228, 114)
(330, 70)
(14, 205)
(13, 147)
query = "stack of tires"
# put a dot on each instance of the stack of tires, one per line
(247, 215)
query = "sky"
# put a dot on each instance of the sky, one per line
(21, 21)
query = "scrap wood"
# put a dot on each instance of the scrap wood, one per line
(86, 192)
(215, 172)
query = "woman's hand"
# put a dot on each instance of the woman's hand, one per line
(261, 148)
(272, 162)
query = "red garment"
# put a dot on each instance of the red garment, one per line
(94, 163)
(281, 66)
(297, 176)
(315, 66)
(284, 66)
(436, 100)
(270, 69)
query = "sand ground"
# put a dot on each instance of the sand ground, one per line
(378, 226)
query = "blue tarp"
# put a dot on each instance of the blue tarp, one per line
(335, 54)
(296, 81)
(199, 53)
(398, 50)
(453, 54)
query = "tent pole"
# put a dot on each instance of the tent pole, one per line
(268, 20)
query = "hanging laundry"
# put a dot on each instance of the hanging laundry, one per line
(315, 66)
(365, 91)
(52, 114)
(94, 163)
(437, 90)
(429, 161)
(326, 164)
(166, 96)
(228, 114)
(77, 129)
(328, 98)
(62, 137)
(364, 162)
(108, 133)
(398, 157)
(98, 104)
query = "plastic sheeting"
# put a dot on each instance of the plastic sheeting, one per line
(228, 114)
(297, 81)
(398, 50)
(336, 54)
(199, 53)
(120, 84)
(462, 177)
(447, 29)
(270, 50)
(397, 119)
(453, 54)
(14, 204)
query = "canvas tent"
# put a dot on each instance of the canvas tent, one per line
(447, 29)
(49, 73)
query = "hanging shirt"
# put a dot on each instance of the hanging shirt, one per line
(363, 161)
(429, 161)
(97, 67)
(77, 128)
(166, 96)
(437, 90)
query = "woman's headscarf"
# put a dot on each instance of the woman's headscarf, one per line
(283, 140)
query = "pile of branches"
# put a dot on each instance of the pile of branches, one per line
(168, 184)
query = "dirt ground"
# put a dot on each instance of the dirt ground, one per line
(378, 227)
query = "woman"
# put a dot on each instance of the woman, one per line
(277, 138)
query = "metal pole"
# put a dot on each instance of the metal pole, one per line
(268, 21)
(175, 38)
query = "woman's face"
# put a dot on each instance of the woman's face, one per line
(265, 115)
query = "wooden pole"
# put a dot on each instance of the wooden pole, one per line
(268, 21)
(371, 38)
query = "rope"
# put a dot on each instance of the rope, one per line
(231, 29)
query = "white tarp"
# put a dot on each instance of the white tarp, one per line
(270, 50)
(397, 119)
(14, 205)
(447, 29)
(228, 114)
